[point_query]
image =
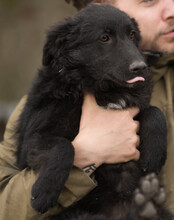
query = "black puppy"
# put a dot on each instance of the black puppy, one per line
(94, 51)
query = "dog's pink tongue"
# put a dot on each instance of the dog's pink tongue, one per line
(136, 79)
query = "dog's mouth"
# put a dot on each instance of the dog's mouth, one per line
(111, 82)
(135, 79)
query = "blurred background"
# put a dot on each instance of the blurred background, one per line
(23, 24)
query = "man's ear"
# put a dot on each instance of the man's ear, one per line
(55, 41)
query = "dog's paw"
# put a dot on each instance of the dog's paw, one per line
(148, 196)
(43, 197)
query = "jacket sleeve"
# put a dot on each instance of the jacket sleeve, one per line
(15, 185)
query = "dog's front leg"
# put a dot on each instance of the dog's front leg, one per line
(153, 140)
(53, 164)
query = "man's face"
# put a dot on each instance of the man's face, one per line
(156, 22)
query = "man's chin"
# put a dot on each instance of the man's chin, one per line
(167, 51)
(165, 46)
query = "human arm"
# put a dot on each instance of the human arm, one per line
(105, 136)
(15, 185)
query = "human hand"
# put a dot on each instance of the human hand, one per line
(105, 135)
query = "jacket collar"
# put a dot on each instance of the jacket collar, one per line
(158, 59)
(159, 63)
(165, 60)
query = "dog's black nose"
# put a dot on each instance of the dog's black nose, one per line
(137, 66)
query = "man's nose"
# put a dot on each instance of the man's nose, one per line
(168, 10)
(137, 66)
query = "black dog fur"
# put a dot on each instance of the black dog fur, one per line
(95, 51)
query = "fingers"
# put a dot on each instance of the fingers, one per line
(123, 124)
(89, 102)
(137, 142)
(137, 155)
(133, 111)
(137, 126)
(132, 152)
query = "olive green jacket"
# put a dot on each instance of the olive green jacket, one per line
(15, 185)
(163, 97)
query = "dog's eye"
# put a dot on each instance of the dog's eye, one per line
(132, 35)
(104, 38)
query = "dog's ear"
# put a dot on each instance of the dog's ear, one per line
(135, 23)
(56, 39)
(47, 57)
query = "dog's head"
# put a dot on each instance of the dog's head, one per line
(98, 48)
